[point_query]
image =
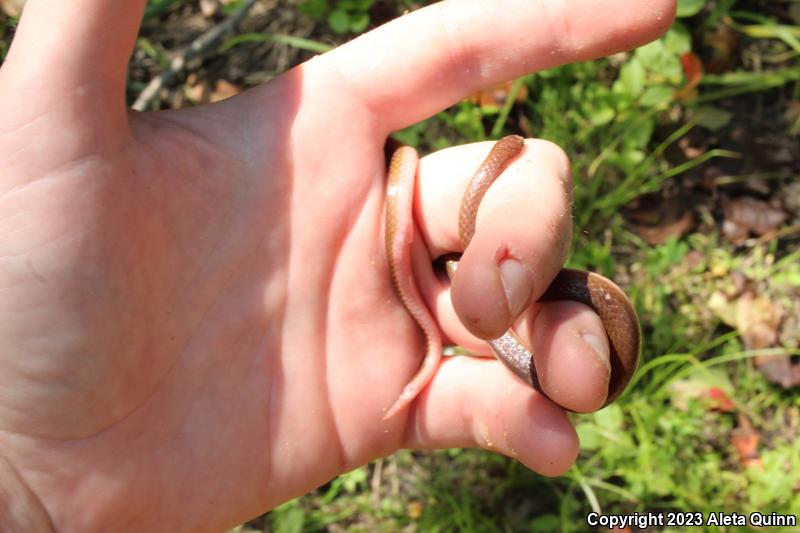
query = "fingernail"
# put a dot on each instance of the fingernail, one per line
(599, 347)
(517, 284)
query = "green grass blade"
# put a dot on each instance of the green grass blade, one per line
(296, 42)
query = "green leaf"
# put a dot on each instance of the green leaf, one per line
(593, 255)
(353, 479)
(588, 437)
(363, 5)
(639, 136)
(339, 21)
(631, 158)
(632, 77)
(412, 134)
(651, 54)
(660, 62)
(156, 7)
(602, 115)
(468, 121)
(546, 522)
(678, 40)
(687, 8)
(288, 518)
(626, 160)
(610, 418)
(657, 95)
(359, 22)
(713, 118)
(316, 9)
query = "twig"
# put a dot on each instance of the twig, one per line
(195, 49)
(376, 483)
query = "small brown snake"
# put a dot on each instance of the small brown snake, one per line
(601, 294)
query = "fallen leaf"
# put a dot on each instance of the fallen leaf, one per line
(689, 150)
(779, 369)
(738, 284)
(745, 439)
(709, 386)
(719, 400)
(657, 217)
(713, 118)
(791, 197)
(495, 97)
(224, 89)
(693, 70)
(757, 319)
(693, 259)
(789, 333)
(747, 215)
(660, 234)
(733, 232)
(722, 42)
(196, 90)
(723, 307)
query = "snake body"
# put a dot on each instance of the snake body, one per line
(598, 292)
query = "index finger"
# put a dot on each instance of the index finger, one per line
(425, 61)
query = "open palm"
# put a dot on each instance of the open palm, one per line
(197, 321)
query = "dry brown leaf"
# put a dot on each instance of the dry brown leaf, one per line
(723, 307)
(495, 97)
(789, 333)
(738, 285)
(744, 440)
(746, 215)
(722, 42)
(757, 319)
(693, 259)
(689, 149)
(693, 70)
(196, 90)
(224, 89)
(779, 369)
(791, 197)
(733, 232)
(660, 234)
(657, 217)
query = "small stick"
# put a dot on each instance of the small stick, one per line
(195, 49)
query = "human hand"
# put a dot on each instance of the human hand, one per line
(198, 322)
